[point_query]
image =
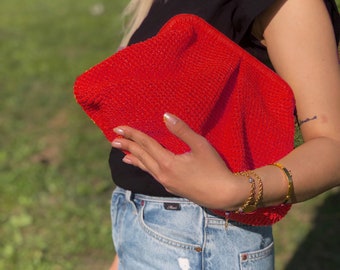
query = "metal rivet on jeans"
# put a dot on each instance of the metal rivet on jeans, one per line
(198, 249)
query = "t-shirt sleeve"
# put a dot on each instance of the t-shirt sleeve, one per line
(245, 14)
(247, 10)
(335, 18)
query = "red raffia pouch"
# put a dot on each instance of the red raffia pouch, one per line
(190, 69)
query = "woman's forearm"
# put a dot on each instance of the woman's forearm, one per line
(314, 167)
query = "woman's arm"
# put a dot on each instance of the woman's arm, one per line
(301, 45)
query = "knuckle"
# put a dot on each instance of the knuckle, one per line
(143, 142)
(166, 168)
(142, 155)
(181, 130)
(167, 162)
(202, 142)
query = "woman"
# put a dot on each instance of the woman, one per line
(299, 41)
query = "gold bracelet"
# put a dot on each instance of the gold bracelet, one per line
(259, 198)
(290, 197)
(248, 205)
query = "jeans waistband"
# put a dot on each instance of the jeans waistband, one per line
(130, 196)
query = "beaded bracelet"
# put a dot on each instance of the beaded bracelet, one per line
(290, 197)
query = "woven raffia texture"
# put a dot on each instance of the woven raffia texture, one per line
(191, 70)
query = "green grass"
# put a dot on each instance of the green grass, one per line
(55, 185)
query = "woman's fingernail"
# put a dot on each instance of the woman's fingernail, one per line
(116, 144)
(170, 118)
(127, 160)
(118, 131)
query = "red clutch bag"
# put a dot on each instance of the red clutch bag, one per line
(190, 69)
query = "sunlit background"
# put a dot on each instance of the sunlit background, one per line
(55, 185)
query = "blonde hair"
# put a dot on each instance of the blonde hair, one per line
(136, 12)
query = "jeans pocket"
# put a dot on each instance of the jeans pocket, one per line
(172, 227)
(261, 259)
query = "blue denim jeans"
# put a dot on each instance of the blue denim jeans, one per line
(174, 233)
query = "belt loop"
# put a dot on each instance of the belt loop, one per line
(128, 195)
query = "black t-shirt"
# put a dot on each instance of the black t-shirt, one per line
(234, 18)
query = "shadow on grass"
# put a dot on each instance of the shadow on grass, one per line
(321, 247)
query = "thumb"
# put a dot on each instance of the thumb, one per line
(181, 130)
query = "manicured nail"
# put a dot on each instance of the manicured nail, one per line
(127, 160)
(170, 118)
(116, 144)
(118, 131)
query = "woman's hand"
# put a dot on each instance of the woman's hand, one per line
(199, 175)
